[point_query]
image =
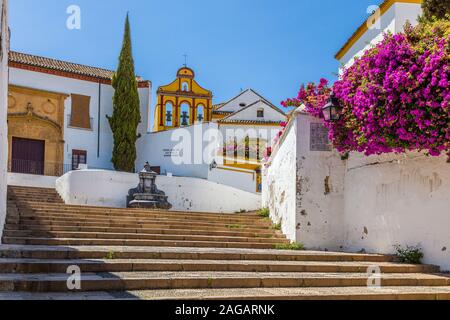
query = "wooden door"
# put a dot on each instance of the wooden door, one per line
(27, 156)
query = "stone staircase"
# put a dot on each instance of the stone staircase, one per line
(134, 254)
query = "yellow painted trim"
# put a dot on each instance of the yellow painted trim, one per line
(223, 123)
(236, 170)
(384, 7)
(33, 91)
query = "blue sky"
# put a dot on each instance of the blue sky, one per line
(271, 46)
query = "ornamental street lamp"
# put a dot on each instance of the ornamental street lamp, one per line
(331, 111)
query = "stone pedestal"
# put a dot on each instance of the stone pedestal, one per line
(147, 195)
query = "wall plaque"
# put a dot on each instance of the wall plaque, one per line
(319, 138)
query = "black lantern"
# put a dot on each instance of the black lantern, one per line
(331, 111)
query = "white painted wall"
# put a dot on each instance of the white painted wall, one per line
(109, 189)
(374, 202)
(81, 139)
(250, 113)
(393, 20)
(246, 97)
(31, 180)
(3, 110)
(302, 187)
(320, 211)
(187, 146)
(398, 199)
(237, 178)
(279, 184)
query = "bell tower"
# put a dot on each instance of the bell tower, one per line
(182, 103)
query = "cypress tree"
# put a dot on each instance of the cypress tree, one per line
(126, 108)
(435, 9)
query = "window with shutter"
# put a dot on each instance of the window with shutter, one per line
(80, 117)
(78, 157)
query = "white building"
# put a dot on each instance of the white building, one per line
(247, 119)
(57, 115)
(391, 17)
(362, 203)
(250, 114)
(4, 48)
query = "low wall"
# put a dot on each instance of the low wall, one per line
(31, 180)
(237, 178)
(320, 187)
(363, 203)
(303, 187)
(109, 189)
(279, 184)
(398, 199)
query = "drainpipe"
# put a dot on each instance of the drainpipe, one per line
(98, 118)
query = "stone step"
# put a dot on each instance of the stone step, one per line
(200, 232)
(58, 209)
(247, 294)
(140, 265)
(126, 218)
(36, 198)
(138, 236)
(125, 242)
(234, 254)
(51, 223)
(122, 281)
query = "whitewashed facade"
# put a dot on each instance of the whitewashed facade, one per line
(4, 48)
(97, 141)
(391, 17)
(364, 203)
(368, 204)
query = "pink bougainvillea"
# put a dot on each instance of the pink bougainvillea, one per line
(395, 98)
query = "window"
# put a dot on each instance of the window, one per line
(200, 114)
(184, 114)
(79, 117)
(169, 114)
(78, 157)
(185, 86)
(260, 113)
(242, 104)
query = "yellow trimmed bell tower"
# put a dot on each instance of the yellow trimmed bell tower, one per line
(182, 103)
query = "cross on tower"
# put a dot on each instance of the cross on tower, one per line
(185, 60)
(184, 118)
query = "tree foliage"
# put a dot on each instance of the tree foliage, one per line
(435, 9)
(126, 108)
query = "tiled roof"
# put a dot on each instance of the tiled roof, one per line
(218, 106)
(222, 112)
(227, 118)
(62, 66)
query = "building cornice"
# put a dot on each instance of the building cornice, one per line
(363, 28)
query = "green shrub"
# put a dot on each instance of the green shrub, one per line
(277, 226)
(264, 212)
(110, 255)
(409, 254)
(291, 246)
(435, 9)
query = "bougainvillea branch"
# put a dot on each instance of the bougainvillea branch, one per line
(395, 98)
